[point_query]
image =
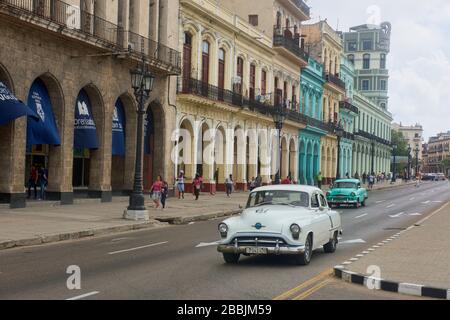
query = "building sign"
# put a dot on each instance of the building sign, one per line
(118, 129)
(11, 108)
(85, 131)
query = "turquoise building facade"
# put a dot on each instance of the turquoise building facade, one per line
(347, 114)
(311, 90)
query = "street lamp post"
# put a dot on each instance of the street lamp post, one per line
(394, 169)
(339, 133)
(278, 118)
(417, 159)
(373, 154)
(142, 82)
(409, 163)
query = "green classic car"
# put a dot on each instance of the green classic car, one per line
(347, 192)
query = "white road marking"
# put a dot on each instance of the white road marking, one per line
(411, 199)
(438, 201)
(84, 295)
(191, 223)
(415, 214)
(353, 241)
(138, 248)
(398, 215)
(381, 201)
(426, 202)
(363, 215)
(390, 206)
(207, 244)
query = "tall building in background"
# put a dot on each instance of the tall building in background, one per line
(368, 46)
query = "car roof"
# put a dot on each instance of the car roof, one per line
(289, 187)
(348, 180)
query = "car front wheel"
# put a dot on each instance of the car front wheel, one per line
(304, 258)
(331, 246)
(231, 258)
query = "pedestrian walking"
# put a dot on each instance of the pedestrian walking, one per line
(347, 175)
(252, 184)
(229, 185)
(197, 185)
(156, 192)
(32, 182)
(258, 181)
(180, 184)
(287, 180)
(43, 181)
(371, 180)
(364, 176)
(319, 180)
(356, 175)
(164, 193)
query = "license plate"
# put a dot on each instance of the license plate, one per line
(256, 250)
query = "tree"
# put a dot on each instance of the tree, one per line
(446, 163)
(401, 151)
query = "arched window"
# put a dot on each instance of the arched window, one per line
(383, 61)
(263, 82)
(221, 70)
(205, 62)
(187, 60)
(278, 20)
(366, 61)
(252, 81)
(240, 75)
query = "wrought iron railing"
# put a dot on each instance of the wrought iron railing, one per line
(335, 80)
(348, 106)
(372, 137)
(302, 6)
(199, 88)
(72, 18)
(290, 44)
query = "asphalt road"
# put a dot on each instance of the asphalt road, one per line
(181, 262)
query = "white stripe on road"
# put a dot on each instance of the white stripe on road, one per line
(398, 215)
(138, 248)
(84, 295)
(207, 244)
(381, 201)
(353, 241)
(438, 201)
(426, 202)
(363, 215)
(415, 214)
(411, 199)
(390, 206)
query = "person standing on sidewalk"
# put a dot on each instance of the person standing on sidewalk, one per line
(180, 184)
(156, 192)
(364, 177)
(164, 193)
(43, 181)
(371, 180)
(32, 182)
(356, 175)
(229, 185)
(197, 185)
(319, 179)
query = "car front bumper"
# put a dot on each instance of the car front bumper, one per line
(337, 201)
(282, 250)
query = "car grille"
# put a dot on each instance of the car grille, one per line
(270, 242)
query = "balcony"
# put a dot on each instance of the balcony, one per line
(335, 80)
(348, 106)
(69, 20)
(373, 137)
(298, 7)
(302, 6)
(289, 45)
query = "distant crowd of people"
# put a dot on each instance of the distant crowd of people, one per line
(38, 177)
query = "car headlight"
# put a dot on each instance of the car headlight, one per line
(223, 229)
(353, 194)
(295, 230)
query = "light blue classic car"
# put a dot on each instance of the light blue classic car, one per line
(347, 192)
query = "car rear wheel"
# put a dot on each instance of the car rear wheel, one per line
(231, 258)
(363, 203)
(358, 204)
(331, 246)
(304, 258)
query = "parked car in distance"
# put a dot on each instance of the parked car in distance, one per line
(281, 220)
(347, 192)
(440, 177)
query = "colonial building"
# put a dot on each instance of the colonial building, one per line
(413, 136)
(70, 62)
(366, 47)
(438, 149)
(325, 45)
(237, 67)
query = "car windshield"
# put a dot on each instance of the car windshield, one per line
(278, 197)
(344, 185)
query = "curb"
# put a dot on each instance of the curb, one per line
(52, 238)
(374, 283)
(185, 220)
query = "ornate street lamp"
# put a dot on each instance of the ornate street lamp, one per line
(339, 132)
(279, 116)
(373, 153)
(409, 162)
(142, 81)
(417, 159)
(394, 169)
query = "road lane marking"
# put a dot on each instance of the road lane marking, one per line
(360, 216)
(314, 289)
(398, 215)
(381, 201)
(426, 202)
(84, 295)
(390, 206)
(207, 244)
(415, 214)
(138, 248)
(305, 284)
(438, 201)
(354, 241)
(411, 199)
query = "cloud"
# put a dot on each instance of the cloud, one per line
(419, 86)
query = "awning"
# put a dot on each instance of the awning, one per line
(148, 131)
(12, 108)
(118, 130)
(44, 129)
(85, 131)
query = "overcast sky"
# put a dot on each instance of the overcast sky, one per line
(419, 63)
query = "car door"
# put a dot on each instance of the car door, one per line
(321, 221)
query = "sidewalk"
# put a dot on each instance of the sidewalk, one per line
(415, 261)
(44, 222)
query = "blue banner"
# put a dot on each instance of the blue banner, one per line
(11, 108)
(85, 131)
(148, 131)
(43, 130)
(118, 129)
